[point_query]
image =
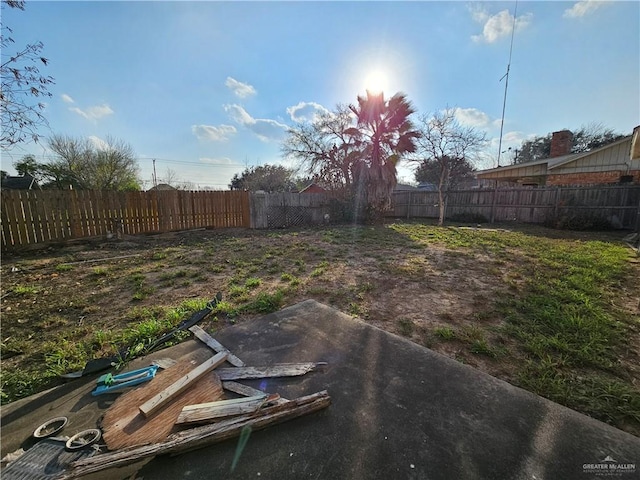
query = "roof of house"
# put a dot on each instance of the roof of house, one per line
(311, 187)
(163, 186)
(404, 187)
(554, 162)
(26, 182)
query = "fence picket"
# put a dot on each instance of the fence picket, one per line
(41, 216)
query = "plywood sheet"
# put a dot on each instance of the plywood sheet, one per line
(124, 426)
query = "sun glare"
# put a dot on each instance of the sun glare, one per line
(376, 82)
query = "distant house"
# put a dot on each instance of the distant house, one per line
(401, 187)
(162, 186)
(313, 188)
(26, 182)
(427, 187)
(618, 162)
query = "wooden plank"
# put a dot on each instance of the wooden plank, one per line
(124, 426)
(207, 412)
(165, 397)
(247, 391)
(273, 371)
(21, 218)
(199, 437)
(215, 345)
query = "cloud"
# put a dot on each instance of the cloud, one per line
(218, 161)
(66, 98)
(213, 134)
(93, 113)
(306, 111)
(242, 90)
(265, 129)
(511, 141)
(582, 8)
(98, 142)
(497, 26)
(472, 117)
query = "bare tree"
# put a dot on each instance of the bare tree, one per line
(586, 138)
(324, 150)
(450, 145)
(23, 87)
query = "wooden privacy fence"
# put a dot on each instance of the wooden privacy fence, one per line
(282, 210)
(620, 205)
(40, 216)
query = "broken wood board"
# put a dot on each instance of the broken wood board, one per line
(199, 437)
(215, 345)
(273, 371)
(247, 391)
(124, 426)
(208, 412)
(166, 396)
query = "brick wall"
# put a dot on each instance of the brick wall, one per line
(592, 178)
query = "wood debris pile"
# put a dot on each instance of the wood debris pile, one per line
(185, 407)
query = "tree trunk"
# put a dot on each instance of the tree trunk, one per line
(441, 197)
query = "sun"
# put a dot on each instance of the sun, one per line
(376, 81)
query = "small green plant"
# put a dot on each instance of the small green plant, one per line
(264, 303)
(320, 269)
(252, 282)
(99, 271)
(287, 277)
(301, 265)
(24, 290)
(238, 293)
(226, 308)
(406, 326)
(446, 333)
(482, 347)
(63, 267)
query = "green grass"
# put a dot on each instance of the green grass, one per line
(264, 303)
(252, 283)
(99, 271)
(565, 329)
(549, 317)
(71, 351)
(24, 290)
(446, 333)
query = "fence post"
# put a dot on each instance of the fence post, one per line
(409, 205)
(258, 209)
(74, 216)
(493, 203)
(557, 204)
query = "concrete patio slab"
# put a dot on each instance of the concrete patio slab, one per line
(398, 411)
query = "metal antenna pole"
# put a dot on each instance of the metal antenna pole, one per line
(506, 83)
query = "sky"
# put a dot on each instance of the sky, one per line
(208, 88)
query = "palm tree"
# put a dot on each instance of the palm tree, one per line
(384, 134)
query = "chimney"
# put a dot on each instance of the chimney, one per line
(561, 143)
